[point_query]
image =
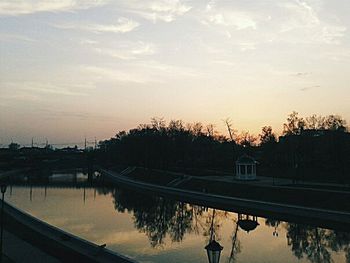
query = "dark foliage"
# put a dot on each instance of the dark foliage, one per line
(314, 148)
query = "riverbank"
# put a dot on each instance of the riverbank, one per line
(41, 242)
(328, 218)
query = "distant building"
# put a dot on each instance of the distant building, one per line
(246, 168)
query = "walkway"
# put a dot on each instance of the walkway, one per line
(282, 182)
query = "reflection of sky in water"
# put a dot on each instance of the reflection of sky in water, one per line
(97, 220)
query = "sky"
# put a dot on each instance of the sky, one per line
(71, 69)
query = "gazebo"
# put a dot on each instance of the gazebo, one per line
(247, 222)
(246, 168)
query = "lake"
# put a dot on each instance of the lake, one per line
(149, 228)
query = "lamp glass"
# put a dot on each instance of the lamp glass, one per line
(213, 251)
(213, 256)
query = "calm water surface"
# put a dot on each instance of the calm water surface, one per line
(154, 229)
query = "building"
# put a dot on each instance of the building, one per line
(246, 168)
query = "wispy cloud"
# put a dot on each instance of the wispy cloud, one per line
(22, 7)
(54, 115)
(300, 74)
(36, 89)
(309, 87)
(238, 20)
(128, 51)
(304, 16)
(303, 24)
(222, 15)
(246, 46)
(123, 25)
(88, 42)
(16, 37)
(109, 74)
(161, 10)
(143, 71)
(296, 22)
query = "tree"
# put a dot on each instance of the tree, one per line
(158, 123)
(246, 139)
(315, 122)
(197, 129)
(295, 125)
(210, 130)
(335, 123)
(267, 136)
(14, 146)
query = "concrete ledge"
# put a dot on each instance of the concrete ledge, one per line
(56, 242)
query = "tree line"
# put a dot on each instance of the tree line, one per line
(315, 147)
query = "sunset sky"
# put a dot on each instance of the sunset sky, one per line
(70, 68)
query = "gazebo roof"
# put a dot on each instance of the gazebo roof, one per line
(245, 159)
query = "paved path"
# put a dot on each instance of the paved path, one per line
(18, 250)
(281, 182)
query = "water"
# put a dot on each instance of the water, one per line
(154, 229)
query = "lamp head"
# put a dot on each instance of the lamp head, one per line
(213, 251)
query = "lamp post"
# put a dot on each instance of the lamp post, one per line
(3, 190)
(213, 248)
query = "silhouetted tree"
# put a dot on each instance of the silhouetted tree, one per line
(13, 146)
(246, 139)
(267, 136)
(315, 122)
(294, 125)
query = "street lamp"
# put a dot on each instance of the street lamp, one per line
(3, 190)
(213, 251)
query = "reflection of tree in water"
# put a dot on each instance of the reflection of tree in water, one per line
(210, 223)
(156, 216)
(236, 244)
(340, 241)
(159, 217)
(316, 243)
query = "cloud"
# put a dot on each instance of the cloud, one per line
(22, 7)
(228, 16)
(88, 42)
(300, 74)
(303, 16)
(238, 20)
(310, 87)
(332, 34)
(292, 22)
(54, 115)
(247, 46)
(128, 51)
(32, 89)
(137, 72)
(123, 25)
(303, 24)
(114, 74)
(165, 10)
(16, 37)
